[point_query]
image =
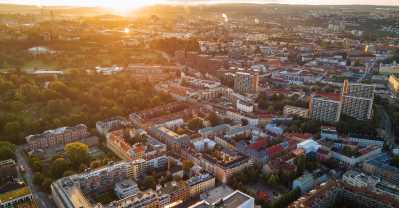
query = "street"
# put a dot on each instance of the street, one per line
(41, 198)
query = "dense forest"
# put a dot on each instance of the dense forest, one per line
(30, 105)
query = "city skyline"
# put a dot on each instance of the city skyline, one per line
(126, 4)
(199, 103)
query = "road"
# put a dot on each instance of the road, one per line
(41, 198)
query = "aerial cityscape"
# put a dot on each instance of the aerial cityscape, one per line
(199, 104)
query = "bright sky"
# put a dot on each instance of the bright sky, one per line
(129, 4)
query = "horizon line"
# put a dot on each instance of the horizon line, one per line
(197, 2)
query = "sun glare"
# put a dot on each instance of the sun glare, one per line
(125, 6)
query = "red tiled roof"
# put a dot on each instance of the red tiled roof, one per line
(260, 143)
(273, 150)
(332, 96)
(139, 148)
(298, 136)
(280, 91)
(292, 143)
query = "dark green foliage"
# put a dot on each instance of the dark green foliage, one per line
(213, 119)
(348, 125)
(77, 154)
(149, 182)
(170, 45)
(195, 124)
(304, 126)
(28, 107)
(7, 150)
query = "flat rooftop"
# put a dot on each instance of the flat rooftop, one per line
(235, 200)
(213, 195)
(13, 194)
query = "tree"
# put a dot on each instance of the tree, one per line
(187, 166)
(180, 131)
(150, 182)
(13, 129)
(245, 122)
(77, 153)
(68, 173)
(214, 119)
(36, 163)
(300, 163)
(58, 167)
(394, 161)
(287, 198)
(272, 179)
(95, 164)
(7, 150)
(46, 184)
(38, 178)
(195, 124)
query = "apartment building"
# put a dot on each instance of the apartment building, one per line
(144, 156)
(231, 162)
(114, 123)
(76, 186)
(325, 107)
(329, 132)
(150, 149)
(199, 184)
(308, 181)
(289, 110)
(246, 82)
(364, 154)
(126, 188)
(72, 191)
(295, 76)
(173, 193)
(393, 82)
(144, 199)
(170, 138)
(115, 141)
(327, 194)
(381, 166)
(62, 135)
(357, 100)
(235, 199)
(8, 168)
(375, 184)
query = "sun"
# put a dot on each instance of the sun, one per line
(125, 6)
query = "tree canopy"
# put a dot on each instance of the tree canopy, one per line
(30, 104)
(77, 153)
(7, 150)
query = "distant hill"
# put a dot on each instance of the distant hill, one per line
(247, 9)
(59, 10)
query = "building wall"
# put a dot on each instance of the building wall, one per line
(293, 110)
(246, 83)
(325, 110)
(394, 84)
(358, 108)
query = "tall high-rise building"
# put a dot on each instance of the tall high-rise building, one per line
(357, 100)
(246, 82)
(325, 107)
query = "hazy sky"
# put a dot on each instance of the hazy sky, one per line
(125, 4)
